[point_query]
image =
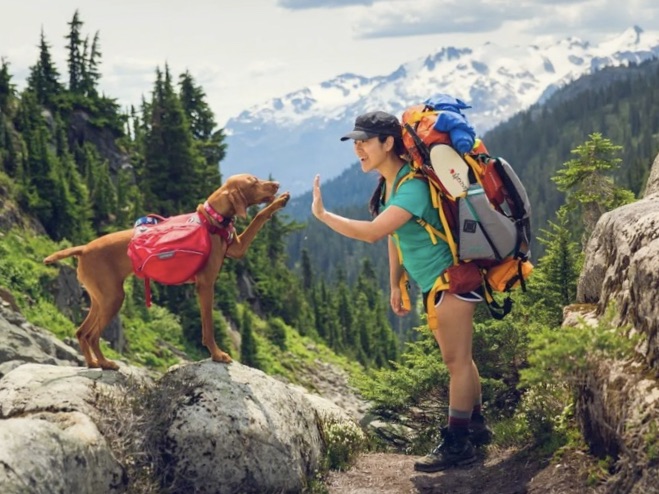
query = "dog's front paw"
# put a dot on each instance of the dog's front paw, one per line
(281, 201)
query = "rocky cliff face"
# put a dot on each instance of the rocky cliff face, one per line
(618, 405)
(11, 216)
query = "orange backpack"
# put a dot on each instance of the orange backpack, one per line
(482, 204)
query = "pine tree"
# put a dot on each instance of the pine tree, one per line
(319, 305)
(248, 354)
(43, 80)
(75, 60)
(8, 153)
(129, 200)
(555, 278)
(209, 140)
(173, 172)
(226, 292)
(44, 190)
(367, 283)
(364, 328)
(37, 162)
(386, 340)
(349, 334)
(193, 100)
(307, 271)
(7, 89)
(102, 192)
(77, 210)
(91, 62)
(589, 189)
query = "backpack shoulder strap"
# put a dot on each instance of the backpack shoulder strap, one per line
(432, 231)
(436, 199)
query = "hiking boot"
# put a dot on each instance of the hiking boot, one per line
(454, 449)
(479, 433)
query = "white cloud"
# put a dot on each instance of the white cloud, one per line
(321, 4)
(266, 68)
(594, 18)
(245, 52)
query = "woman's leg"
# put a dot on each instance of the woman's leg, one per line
(455, 320)
(454, 336)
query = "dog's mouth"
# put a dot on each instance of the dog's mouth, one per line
(272, 189)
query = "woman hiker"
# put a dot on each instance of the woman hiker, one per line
(377, 138)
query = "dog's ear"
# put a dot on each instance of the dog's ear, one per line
(238, 202)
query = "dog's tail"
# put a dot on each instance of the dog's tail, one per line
(63, 254)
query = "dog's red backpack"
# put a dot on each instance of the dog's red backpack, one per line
(169, 250)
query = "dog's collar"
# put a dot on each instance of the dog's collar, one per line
(222, 221)
(224, 227)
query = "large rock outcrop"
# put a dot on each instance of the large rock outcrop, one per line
(622, 267)
(618, 404)
(201, 427)
(49, 441)
(235, 429)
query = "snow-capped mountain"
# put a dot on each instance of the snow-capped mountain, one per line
(293, 137)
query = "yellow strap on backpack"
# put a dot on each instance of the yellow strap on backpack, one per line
(404, 284)
(403, 281)
(441, 284)
(475, 166)
(432, 231)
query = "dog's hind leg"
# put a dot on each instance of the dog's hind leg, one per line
(110, 307)
(84, 332)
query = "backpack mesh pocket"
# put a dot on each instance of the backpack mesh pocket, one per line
(484, 232)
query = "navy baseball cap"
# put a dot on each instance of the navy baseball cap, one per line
(373, 124)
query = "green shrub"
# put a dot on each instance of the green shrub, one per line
(344, 441)
(563, 355)
(419, 372)
(45, 315)
(277, 332)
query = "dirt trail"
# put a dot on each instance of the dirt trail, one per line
(495, 472)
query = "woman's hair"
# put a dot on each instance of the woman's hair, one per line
(376, 199)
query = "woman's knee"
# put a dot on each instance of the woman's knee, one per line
(458, 364)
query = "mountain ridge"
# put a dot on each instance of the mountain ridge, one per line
(296, 136)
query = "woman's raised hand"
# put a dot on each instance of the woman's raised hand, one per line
(317, 207)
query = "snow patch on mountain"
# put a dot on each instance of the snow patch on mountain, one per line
(295, 136)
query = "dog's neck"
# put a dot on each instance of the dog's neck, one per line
(215, 223)
(213, 216)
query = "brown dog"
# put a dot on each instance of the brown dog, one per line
(103, 264)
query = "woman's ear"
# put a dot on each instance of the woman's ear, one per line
(389, 143)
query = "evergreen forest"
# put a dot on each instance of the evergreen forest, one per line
(81, 166)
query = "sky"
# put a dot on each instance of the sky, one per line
(244, 52)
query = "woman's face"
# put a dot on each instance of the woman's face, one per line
(371, 153)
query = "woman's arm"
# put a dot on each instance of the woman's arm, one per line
(395, 273)
(395, 269)
(368, 231)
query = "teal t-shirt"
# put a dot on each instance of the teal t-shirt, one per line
(422, 260)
